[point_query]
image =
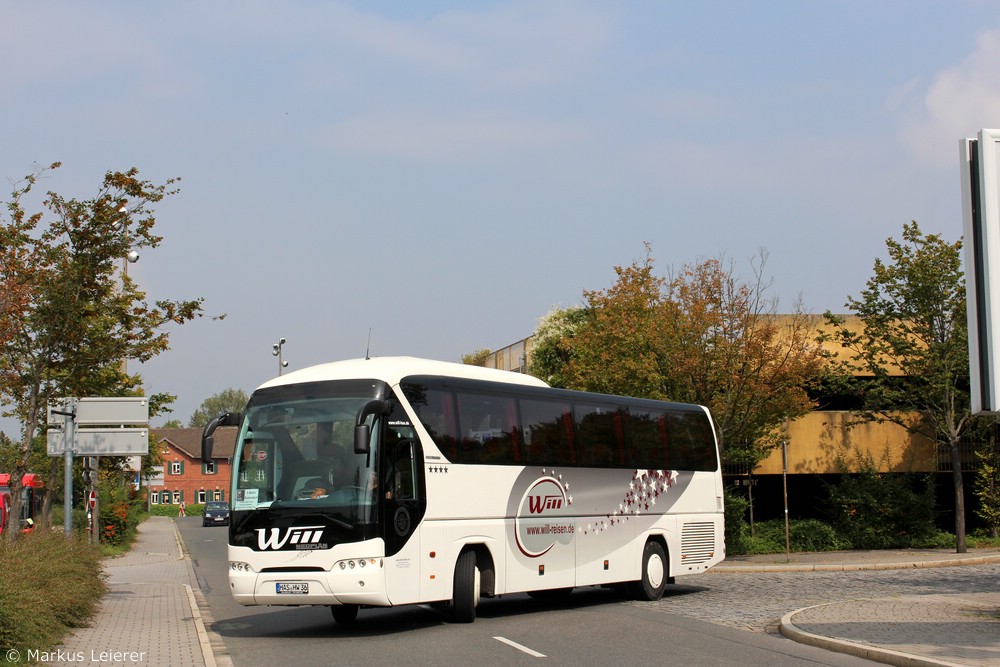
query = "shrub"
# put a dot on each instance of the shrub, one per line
(737, 528)
(804, 535)
(50, 584)
(874, 510)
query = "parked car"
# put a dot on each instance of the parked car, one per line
(216, 514)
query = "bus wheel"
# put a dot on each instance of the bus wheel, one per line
(466, 591)
(345, 614)
(654, 573)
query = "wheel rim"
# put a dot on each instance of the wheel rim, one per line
(655, 571)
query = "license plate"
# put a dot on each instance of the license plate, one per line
(294, 588)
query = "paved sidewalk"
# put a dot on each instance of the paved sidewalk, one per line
(908, 631)
(150, 615)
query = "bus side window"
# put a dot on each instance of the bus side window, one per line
(690, 441)
(647, 446)
(487, 431)
(548, 432)
(600, 438)
(404, 472)
(436, 410)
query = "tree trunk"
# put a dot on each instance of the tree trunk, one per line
(956, 475)
(55, 481)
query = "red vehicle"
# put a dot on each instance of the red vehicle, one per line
(4, 507)
(31, 499)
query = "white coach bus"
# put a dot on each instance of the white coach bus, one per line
(390, 481)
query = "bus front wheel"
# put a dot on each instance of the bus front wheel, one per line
(654, 573)
(466, 590)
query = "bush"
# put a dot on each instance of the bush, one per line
(804, 535)
(49, 585)
(737, 528)
(873, 510)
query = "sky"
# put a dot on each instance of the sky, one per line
(431, 178)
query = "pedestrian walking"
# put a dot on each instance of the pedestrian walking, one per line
(181, 510)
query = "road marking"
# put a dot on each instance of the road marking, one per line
(527, 650)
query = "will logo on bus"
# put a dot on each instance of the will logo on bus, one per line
(539, 524)
(297, 537)
(544, 515)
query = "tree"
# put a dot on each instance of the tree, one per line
(69, 317)
(227, 400)
(552, 344)
(731, 350)
(913, 346)
(704, 337)
(477, 358)
(619, 347)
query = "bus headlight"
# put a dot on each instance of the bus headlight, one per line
(356, 563)
(236, 566)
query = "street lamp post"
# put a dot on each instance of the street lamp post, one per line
(276, 351)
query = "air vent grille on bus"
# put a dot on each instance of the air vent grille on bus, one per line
(697, 542)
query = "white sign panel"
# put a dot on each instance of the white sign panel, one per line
(54, 439)
(981, 216)
(102, 442)
(112, 442)
(98, 411)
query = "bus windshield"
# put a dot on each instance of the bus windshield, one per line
(296, 450)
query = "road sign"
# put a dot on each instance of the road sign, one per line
(112, 442)
(111, 411)
(54, 438)
(92, 500)
(102, 442)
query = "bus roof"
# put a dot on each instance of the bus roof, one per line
(393, 369)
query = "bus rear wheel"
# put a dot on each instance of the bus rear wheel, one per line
(345, 614)
(654, 573)
(466, 591)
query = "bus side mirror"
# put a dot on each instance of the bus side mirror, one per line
(207, 441)
(362, 438)
(363, 431)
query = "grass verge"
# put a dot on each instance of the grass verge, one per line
(49, 586)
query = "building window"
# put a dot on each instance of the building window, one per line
(177, 467)
(217, 495)
(154, 498)
(201, 497)
(165, 497)
(177, 497)
(208, 468)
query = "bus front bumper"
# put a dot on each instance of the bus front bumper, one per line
(357, 585)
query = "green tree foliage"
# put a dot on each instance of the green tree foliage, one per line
(914, 345)
(705, 337)
(552, 344)
(477, 358)
(70, 314)
(227, 400)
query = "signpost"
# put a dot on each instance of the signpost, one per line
(99, 426)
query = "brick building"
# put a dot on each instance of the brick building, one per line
(185, 476)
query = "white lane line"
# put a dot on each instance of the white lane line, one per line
(527, 650)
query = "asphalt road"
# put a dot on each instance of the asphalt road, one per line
(591, 627)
